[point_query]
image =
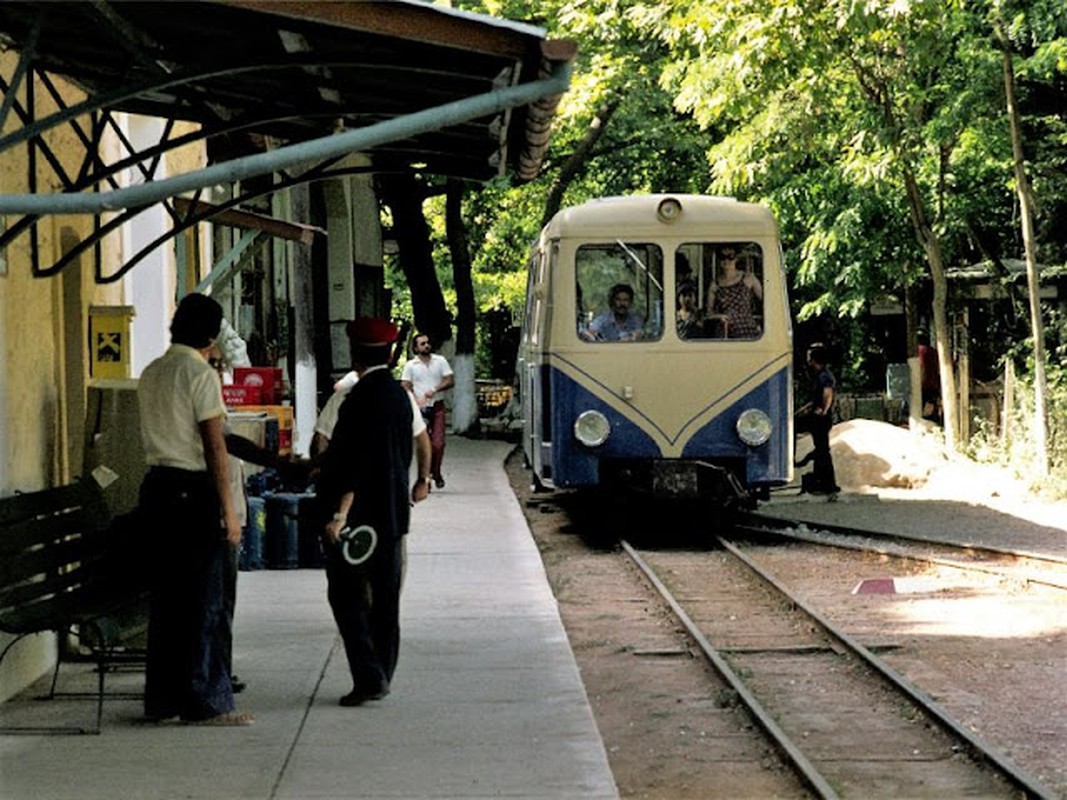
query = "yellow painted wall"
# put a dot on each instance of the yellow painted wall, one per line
(44, 366)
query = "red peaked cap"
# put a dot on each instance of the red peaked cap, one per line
(370, 331)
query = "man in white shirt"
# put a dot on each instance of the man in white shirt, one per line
(426, 376)
(327, 419)
(188, 495)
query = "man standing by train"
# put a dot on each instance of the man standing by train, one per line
(426, 376)
(364, 485)
(817, 417)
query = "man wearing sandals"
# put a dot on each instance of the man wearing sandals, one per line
(364, 486)
(191, 525)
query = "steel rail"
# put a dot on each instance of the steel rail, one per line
(807, 770)
(895, 552)
(1020, 778)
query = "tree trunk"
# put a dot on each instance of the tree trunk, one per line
(404, 197)
(1026, 205)
(931, 245)
(464, 395)
(574, 165)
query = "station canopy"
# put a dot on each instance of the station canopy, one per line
(254, 73)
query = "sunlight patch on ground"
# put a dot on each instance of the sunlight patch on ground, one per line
(981, 617)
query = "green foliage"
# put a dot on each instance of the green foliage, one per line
(648, 145)
(819, 108)
(1018, 448)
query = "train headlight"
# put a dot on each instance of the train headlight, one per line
(754, 427)
(669, 210)
(592, 428)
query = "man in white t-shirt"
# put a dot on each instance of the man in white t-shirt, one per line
(426, 376)
(195, 524)
(327, 419)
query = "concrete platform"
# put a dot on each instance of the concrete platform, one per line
(486, 702)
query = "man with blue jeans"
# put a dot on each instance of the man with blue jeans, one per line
(188, 499)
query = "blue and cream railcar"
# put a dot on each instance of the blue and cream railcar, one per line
(656, 350)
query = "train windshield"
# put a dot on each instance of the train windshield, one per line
(619, 291)
(719, 290)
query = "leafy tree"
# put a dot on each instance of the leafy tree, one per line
(867, 103)
(616, 133)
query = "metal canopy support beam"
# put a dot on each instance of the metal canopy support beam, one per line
(279, 228)
(319, 172)
(29, 50)
(339, 144)
(231, 261)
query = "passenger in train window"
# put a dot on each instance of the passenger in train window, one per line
(620, 323)
(732, 296)
(690, 320)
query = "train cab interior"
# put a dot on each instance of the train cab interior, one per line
(620, 292)
(726, 279)
(621, 289)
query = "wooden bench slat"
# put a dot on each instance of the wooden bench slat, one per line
(52, 557)
(44, 501)
(21, 534)
(14, 596)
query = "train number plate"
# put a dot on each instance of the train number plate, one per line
(675, 479)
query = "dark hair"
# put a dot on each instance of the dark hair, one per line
(370, 355)
(818, 352)
(619, 288)
(197, 321)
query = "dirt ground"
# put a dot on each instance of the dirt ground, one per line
(999, 665)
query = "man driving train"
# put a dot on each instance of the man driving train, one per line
(620, 323)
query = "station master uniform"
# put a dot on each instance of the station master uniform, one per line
(367, 465)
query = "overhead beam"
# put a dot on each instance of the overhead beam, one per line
(249, 220)
(361, 139)
(414, 21)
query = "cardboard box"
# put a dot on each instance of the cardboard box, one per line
(246, 395)
(268, 379)
(284, 415)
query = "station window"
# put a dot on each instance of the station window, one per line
(619, 292)
(719, 290)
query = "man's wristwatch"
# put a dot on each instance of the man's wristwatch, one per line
(339, 517)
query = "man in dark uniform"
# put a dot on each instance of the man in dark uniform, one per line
(817, 417)
(364, 485)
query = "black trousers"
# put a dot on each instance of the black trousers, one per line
(365, 600)
(189, 628)
(818, 425)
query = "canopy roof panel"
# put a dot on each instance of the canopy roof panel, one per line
(289, 72)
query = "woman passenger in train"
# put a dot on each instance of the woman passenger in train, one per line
(732, 295)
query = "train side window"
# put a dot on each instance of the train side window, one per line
(719, 290)
(619, 292)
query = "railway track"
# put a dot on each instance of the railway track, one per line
(849, 724)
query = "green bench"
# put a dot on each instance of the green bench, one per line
(67, 566)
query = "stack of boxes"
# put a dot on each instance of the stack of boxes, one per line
(258, 391)
(282, 530)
